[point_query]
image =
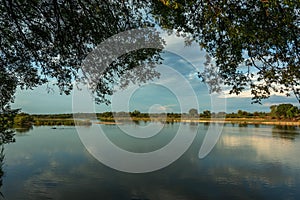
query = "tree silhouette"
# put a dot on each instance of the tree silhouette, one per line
(255, 43)
(48, 40)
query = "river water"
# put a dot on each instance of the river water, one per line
(248, 162)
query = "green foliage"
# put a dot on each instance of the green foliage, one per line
(8, 84)
(43, 40)
(23, 119)
(56, 116)
(245, 114)
(259, 114)
(292, 112)
(6, 125)
(241, 113)
(206, 114)
(135, 113)
(106, 115)
(273, 110)
(174, 115)
(62, 122)
(284, 111)
(255, 43)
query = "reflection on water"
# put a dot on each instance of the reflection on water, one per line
(23, 129)
(247, 163)
(1, 170)
(285, 132)
(6, 136)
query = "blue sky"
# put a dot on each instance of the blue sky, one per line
(177, 90)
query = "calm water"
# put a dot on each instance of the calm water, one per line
(247, 163)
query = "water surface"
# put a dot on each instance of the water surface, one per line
(253, 162)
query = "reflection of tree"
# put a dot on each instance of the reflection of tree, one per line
(23, 129)
(243, 125)
(1, 167)
(6, 135)
(285, 132)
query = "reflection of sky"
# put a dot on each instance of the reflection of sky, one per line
(185, 59)
(143, 100)
(246, 163)
(273, 149)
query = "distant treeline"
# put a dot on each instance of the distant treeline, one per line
(53, 116)
(27, 120)
(281, 111)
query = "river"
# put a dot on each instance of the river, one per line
(248, 162)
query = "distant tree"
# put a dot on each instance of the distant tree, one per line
(206, 114)
(107, 115)
(259, 114)
(282, 109)
(292, 112)
(193, 112)
(23, 119)
(242, 113)
(174, 115)
(255, 114)
(273, 111)
(135, 113)
(231, 115)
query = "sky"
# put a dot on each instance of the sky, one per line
(177, 90)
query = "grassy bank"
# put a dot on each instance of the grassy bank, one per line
(61, 122)
(204, 120)
(24, 119)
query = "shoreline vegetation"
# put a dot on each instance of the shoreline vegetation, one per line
(242, 121)
(283, 114)
(167, 120)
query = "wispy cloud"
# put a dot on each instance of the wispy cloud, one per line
(162, 108)
(191, 53)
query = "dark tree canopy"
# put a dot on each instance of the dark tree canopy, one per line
(255, 43)
(42, 40)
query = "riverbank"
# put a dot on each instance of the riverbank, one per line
(86, 120)
(243, 121)
(61, 122)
